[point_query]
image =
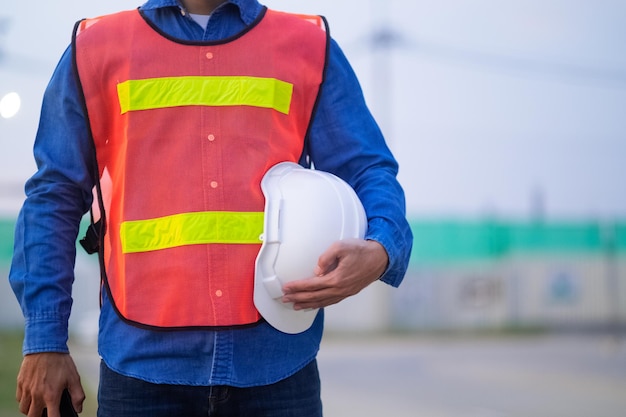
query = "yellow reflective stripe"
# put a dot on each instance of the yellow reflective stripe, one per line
(191, 229)
(158, 93)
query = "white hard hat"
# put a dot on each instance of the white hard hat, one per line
(305, 212)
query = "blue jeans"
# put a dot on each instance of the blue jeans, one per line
(296, 396)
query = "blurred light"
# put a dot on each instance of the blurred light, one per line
(10, 105)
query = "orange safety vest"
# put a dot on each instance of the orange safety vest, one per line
(184, 132)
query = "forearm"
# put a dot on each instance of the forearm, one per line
(58, 195)
(346, 141)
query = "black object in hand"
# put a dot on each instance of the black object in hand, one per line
(66, 407)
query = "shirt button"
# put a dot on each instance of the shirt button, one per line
(211, 138)
(213, 184)
(219, 293)
(209, 55)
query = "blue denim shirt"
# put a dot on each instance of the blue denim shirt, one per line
(344, 140)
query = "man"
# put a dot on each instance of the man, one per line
(159, 358)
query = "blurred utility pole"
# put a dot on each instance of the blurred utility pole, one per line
(381, 41)
(537, 204)
(609, 242)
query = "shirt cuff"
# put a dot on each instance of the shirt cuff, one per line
(45, 333)
(398, 247)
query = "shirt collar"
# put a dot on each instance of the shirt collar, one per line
(248, 9)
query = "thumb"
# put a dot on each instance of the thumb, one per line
(327, 262)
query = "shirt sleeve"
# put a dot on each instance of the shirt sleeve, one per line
(345, 140)
(57, 197)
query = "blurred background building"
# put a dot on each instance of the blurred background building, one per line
(464, 275)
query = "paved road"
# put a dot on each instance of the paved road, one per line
(531, 376)
(408, 376)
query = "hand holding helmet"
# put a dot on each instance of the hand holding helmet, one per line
(313, 252)
(346, 268)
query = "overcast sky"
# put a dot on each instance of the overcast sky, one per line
(491, 107)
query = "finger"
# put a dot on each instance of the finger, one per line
(78, 397)
(51, 411)
(304, 296)
(18, 393)
(314, 299)
(321, 302)
(305, 285)
(52, 404)
(35, 409)
(24, 405)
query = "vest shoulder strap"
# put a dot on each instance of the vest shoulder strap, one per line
(315, 19)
